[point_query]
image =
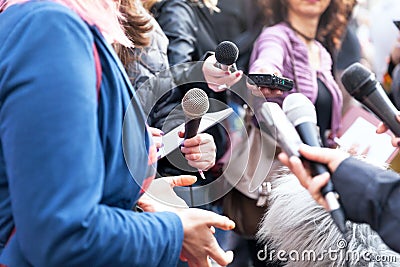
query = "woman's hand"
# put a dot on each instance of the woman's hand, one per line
(156, 134)
(200, 151)
(219, 80)
(199, 243)
(163, 198)
(264, 91)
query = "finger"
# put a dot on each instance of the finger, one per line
(204, 165)
(219, 221)
(202, 138)
(296, 166)
(221, 257)
(381, 128)
(316, 185)
(193, 157)
(396, 142)
(322, 155)
(181, 180)
(155, 131)
(212, 228)
(284, 159)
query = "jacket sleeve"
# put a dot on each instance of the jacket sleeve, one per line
(370, 195)
(54, 159)
(178, 23)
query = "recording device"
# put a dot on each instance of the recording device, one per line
(271, 81)
(362, 85)
(301, 113)
(194, 104)
(275, 123)
(226, 54)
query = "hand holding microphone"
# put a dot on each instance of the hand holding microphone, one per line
(362, 85)
(198, 149)
(220, 69)
(301, 113)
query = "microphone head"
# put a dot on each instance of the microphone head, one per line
(355, 77)
(226, 53)
(298, 109)
(195, 103)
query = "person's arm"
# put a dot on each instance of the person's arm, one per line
(267, 57)
(177, 21)
(367, 193)
(370, 195)
(54, 159)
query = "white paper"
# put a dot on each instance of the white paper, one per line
(171, 140)
(363, 133)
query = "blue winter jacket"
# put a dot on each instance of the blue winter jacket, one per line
(71, 168)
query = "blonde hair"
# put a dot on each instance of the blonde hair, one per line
(102, 13)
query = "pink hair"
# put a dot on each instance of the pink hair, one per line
(102, 13)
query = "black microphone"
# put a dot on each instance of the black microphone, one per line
(362, 85)
(226, 54)
(194, 104)
(301, 113)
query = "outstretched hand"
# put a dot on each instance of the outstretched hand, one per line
(219, 80)
(330, 157)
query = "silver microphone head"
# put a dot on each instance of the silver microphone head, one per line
(195, 103)
(298, 108)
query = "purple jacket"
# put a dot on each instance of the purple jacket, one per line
(278, 47)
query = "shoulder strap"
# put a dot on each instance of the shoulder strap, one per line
(98, 70)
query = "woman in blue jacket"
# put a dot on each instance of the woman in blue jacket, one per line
(65, 186)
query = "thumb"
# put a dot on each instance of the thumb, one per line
(181, 180)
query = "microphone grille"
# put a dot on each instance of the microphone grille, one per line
(226, 53)
(195, 103)
(298, 109)
(355, 76)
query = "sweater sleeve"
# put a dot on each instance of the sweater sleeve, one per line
(268, 51)
(54, 159)
(370, 195)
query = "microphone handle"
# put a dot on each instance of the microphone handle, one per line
(309, 134)
(191, 127)
(380, 104)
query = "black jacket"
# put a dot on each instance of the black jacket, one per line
(370, 195)
(190, 33)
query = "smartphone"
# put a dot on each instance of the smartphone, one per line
(397, 23)
(271, 81)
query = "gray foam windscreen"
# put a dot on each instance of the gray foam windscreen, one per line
(355, 76)
(298, 108)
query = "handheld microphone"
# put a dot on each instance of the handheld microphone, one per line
(301, 113)
(226, 54)
(194, 104)
(362, 85)
(275, 123)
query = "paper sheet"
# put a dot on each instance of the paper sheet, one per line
(363, 133)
